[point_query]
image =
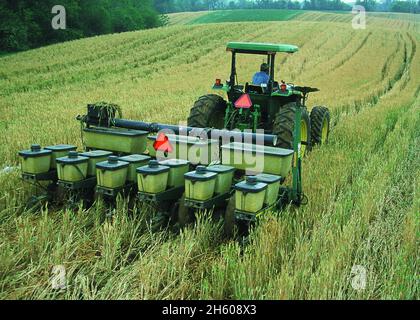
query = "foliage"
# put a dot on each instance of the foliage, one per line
(247, 15)
(166, 6)
(405, 6)
(363, 186)
(27, 24)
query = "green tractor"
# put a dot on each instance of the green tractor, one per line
(270, 106)
(158, 167)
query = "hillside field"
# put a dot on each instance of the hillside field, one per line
(363, 186)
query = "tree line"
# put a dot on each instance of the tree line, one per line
(26, 24)
(168, 6)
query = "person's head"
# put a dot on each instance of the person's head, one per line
(265, 68)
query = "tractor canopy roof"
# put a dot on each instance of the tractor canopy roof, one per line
(260, 48)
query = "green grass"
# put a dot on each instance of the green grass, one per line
(246, 15)
(4, 54)
(363, 186)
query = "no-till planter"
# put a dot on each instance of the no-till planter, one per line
(257, 158)
(224, 178)
(153, 178)
(72, 168)
(193, 149)
(111, 174)
(200, 184)
(117, 140)
(250, 195)
(94, 158)
(35, 160)
(177, 170)
(135, 161)
(59, 151)
(273, 187)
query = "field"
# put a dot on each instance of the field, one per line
(363, 186)
(246, 15)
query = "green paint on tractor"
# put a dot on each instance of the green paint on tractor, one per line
(278, 109)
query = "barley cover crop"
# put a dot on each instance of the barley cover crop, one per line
(363, 187)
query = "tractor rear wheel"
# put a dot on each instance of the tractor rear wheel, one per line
(320, 125)
(208, 112)
(284, 126)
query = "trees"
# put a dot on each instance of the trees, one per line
(27, 24)
(369, 5)
(167, 6)
(405, 6)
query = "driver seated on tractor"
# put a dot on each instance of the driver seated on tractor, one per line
(261, 77)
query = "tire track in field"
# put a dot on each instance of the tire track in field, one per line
(352, 175)
(390, 59)
(206, 49)
(353, 53)
(371, 101)
(99, 53)
(333, 64)
(91, 73)
(411, 58)
(307, 68)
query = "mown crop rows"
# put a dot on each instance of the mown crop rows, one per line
(363, 186)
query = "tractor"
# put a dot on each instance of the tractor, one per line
(154, 161)
(271, 106)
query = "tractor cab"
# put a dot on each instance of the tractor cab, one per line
(269, 51)
(274, 106)
(261, 101)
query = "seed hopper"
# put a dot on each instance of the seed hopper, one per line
(239, 174)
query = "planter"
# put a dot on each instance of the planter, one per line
(273, 187)
(250, 195)
(111, 174)
(200, 184)
(72, 168)
(135, 161)
(153, 178)
(177, 169)
(192, 149)
(224, 177)
(94, 158)
(116, 140)
(59, 151)
(257, 159)
(35, 160)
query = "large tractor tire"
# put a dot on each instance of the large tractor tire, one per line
(208, 112)
(320, 125)
(284, 126)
